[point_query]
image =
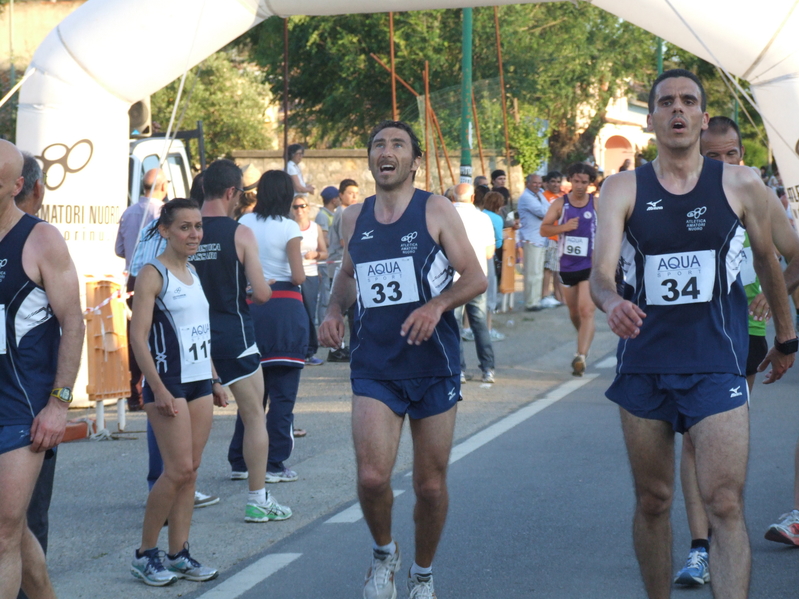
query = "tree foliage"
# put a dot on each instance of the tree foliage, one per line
(231, 100)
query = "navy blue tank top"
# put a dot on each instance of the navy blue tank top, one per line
(398, 268)
(225, 285)
(29, 335)
(680, 261)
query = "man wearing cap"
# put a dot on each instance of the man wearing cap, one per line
(250, 175)
(324, 218)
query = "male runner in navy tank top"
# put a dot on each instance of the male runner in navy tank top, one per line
(677, 225)
(41, 336)
(225, 262)
(402, 247)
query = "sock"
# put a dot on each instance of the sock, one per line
(389, 549)
(417, 570)
(700, 544)
(172, 555)
(257, 497)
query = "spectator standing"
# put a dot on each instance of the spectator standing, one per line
(480, 180)
(295, 155)
(493, 202)
(499, 178)
(552, 183)
(532, 207)
(314, 249)
(324, 218)
(281, 325)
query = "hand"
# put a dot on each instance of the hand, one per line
(331, 331)
(780, 363)
(220, 395)
(165, 404)
(421, 323)
(311, 189)
(625, 318)
(49, 425)
(759, 308)
(571, 224)
(311, 254)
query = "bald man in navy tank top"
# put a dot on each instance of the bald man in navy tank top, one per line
(675, 227)
(402, 247)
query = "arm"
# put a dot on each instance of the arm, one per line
(299, 187)
(785, 239)
(247, 251)
(294, 253)
(446, 227)
(618, 198)
(548, 226)
(56, 273)
(119, 245)
(321, 248)
(148, 286)
(342, 296)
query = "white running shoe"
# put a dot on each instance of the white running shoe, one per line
(271, 510)
(185, 566)
(379, 582)
(203, 500)
(238, 475)
(786, 530)
(550, 302)
(421, 586)
(496, 335)
(284, 476)
(149, 568)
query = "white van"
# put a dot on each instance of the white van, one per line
(145, 155)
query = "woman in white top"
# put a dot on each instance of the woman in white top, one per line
(171, 339)
(295, 154)
(314, 250)
(281, 325)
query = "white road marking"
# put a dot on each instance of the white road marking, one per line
(609, 362)
(353, 513)
(495, 430)
(240, 583)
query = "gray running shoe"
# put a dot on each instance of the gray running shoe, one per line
(578, 365)
(238, 475)
(379, 582)
(150, 569)
(203, 500)
(488, 377)
(421, 586)
(284, 476)
(185, 566)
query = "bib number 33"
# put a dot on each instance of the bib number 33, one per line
(387, 282)
(684, 278)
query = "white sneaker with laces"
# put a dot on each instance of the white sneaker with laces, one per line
(421, 586)
(379, 581)
(203, 500)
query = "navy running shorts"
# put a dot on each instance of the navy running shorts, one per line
(758, 348)
(232, 370)
(188, 391)
(680, 399)
(14, 436)
(418, 398)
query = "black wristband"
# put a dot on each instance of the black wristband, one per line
(788, 347)
(215, 381)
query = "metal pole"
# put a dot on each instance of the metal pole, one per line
(394, 113)
(13, 73)
(660, 56)
(504, 99)
(285, 92)
(479, 140)
(426, 126)
(466, 97)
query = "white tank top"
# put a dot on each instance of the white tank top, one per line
(309, 243)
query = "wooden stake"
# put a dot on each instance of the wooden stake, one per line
(426, 129)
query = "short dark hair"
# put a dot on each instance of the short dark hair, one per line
(720, 125)
(31, 172)
(220, 176)
(197, 192)
(415, 145)
(581, 168)
(293, 149)
(498, 173)
(670, 74)
(504, 191)
(552, 175)
(342, 187)
(168, 212)
(275, 195)
(480, 192)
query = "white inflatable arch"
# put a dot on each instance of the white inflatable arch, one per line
(109, 54)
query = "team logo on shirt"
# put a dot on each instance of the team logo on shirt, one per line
(588, 214)
(367, 235)
(178, 293)
(695, 222)
(3, 263)
(736, 391)
(654, 205)
(409, 244)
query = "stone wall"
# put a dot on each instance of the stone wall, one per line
(328, 167)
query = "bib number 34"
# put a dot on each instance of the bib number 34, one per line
(685, 278)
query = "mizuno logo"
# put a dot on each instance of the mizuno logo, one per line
(367, 235)
(654, 205)
(451, 394)
(736, 391)
(697, 213)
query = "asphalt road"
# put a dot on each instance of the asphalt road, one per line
(541, 496)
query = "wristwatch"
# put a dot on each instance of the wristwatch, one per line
(789, 347)
(216, 380)
(62, 393)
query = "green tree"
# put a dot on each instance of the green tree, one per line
(229, 98)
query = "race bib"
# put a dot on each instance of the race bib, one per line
(685, 278)
(196, 343)
(387, 282)
(2, 328)
(575, 246)
(748, 274)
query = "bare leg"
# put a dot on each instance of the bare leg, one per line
(587, 326)
(547, 283)
(35, 581)
(249, 394)
(650, 448)
(19, 470)
(376, 434)
(558, 288)
(432, 443)
(722, 452)
(694, 508)
(571, 298)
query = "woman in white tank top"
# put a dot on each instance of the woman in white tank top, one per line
(314, 250)
(170, 337)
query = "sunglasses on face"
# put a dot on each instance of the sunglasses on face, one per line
(298, 206)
